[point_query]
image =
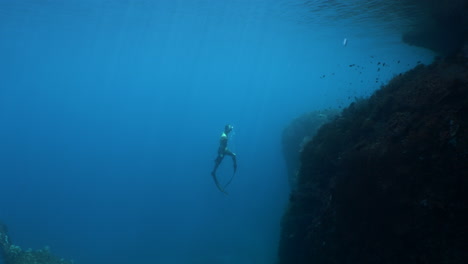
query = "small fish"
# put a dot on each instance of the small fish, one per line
(345, 42)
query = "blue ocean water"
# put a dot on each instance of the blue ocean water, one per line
(111, 112)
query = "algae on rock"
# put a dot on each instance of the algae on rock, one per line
(13, 254)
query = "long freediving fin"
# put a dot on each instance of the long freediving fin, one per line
(217, 183)
(230, 180)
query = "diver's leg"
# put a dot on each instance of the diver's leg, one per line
(217, 162)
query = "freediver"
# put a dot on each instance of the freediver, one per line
(223, 151)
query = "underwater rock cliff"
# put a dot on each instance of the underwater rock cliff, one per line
(13, 254)
(300, 131)
(445, 28)
(387, 181)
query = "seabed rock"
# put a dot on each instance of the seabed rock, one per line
(13, 254)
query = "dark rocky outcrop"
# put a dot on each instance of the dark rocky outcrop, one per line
(387, 181)
(437, 25)
(443, 29)
(13, 254)
(300, 131)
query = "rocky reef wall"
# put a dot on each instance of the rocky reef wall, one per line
(387, 181)
(298, 133)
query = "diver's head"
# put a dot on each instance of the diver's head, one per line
(228, 128)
